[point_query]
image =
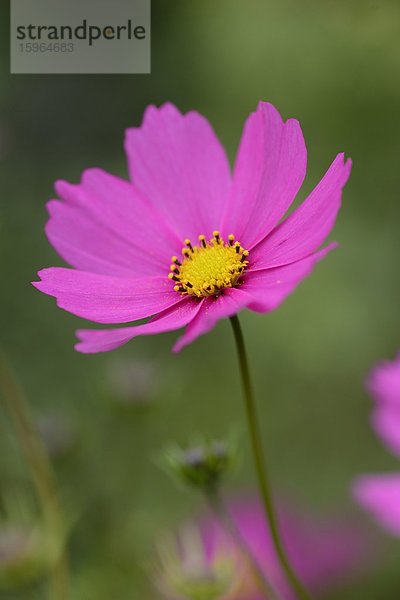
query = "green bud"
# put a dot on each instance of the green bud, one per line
(202, 465)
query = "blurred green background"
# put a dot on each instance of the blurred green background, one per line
(335, 66)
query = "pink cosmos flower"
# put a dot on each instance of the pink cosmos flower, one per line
(119, 236)
(380, 494)
(325, 552)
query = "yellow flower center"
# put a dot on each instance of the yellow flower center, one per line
(209, 267)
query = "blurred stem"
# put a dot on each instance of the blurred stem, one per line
(41, 472)
(222, 514)
(260, 465)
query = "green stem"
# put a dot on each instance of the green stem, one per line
(41, 472)
(222, 514)
(259, 462)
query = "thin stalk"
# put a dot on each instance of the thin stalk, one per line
(40, 469)
(259, 463)
(222, 515)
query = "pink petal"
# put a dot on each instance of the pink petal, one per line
(380, 495)
(269, 171)
(270, 287)
(308, 226)
(384, 386)
(178, 162)
(212, 310)
(104, 340)
(105, 299)
(384, 382)
(106, 226)
(386, 423)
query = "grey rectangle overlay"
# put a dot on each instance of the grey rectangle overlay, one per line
(88, 36)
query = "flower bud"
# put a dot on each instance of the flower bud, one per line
(201, 465)
(184, 570)
(25, 555)
(29, 547)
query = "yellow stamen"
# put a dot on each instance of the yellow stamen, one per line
(189, 245)
(175, 260)
(210, 267)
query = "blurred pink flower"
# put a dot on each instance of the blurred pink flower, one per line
(380, 494)
(325, 552)
(120, 235)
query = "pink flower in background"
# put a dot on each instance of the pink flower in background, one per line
(325, 552)
(124, 238)
(380, 494)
